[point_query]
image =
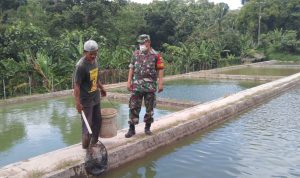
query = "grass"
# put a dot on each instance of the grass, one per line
(35, 174)
(61, 165)
(284, 56)
(66, 163)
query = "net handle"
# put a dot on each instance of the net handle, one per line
(86, 122)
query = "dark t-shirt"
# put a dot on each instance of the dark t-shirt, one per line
(86, 75)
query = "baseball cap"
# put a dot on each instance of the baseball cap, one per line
(142, 38)
(90, 45)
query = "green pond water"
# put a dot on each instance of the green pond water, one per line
(263, 142)
(292, 63)
(34, 128)
(203, 90)
(262, 71)
(200, 90)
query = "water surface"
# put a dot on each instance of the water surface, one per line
(263, 142)
(262, 71)
(34, 128)
(203, 90)
(200, 90)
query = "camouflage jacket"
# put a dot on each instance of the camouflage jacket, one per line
(145, 67)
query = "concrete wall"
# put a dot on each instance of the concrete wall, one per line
(182, 123)
(188, 121)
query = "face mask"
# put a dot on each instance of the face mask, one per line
(143, 48)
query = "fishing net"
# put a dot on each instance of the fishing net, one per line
(96, 159)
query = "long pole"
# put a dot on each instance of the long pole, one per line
(4, 89)
(29, 85)
(86, 122)
(72, 85)
(259, 19)
(52, 88)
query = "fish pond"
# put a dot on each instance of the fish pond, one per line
(262, 142)
(34, 128)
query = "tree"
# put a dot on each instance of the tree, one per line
(221, 10)
(284, 41)
(191, 16)
(274, 14)
(127, 23)
(11, 4)
(159, 24)
(244, 1)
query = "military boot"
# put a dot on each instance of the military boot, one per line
(131, 131)
(147, 129)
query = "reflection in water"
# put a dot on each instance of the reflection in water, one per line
(10, 134)
(34, 128)
(263, 142)
(37, 135)
(262, 71)
(123, 113)
(203, 90)
(65, 117)
(145, 167)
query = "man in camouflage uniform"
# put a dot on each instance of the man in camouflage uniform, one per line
(145, 68)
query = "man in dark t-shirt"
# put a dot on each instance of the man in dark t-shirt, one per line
(86, 92)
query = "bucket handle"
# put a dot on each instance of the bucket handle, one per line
(113, 105)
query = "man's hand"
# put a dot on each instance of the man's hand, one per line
(103, 92)
(77, 98)
(160, 87)
(79, 107)
(129, 86)
(160, 81)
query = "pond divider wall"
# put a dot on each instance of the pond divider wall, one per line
(166, 130)
(183, 123)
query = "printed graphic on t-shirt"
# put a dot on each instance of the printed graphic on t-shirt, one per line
(93, 78)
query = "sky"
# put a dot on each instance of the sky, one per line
(233, 4)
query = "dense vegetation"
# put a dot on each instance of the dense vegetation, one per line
(41, 40)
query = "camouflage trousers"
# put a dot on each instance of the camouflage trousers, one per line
(135, 104)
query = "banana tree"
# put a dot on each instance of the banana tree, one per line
(174, 59)
(221, 10)
(39, 64)
(14, 75)
(120, 59)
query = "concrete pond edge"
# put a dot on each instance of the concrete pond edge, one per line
(186, 122)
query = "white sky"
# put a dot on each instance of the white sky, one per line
(233, 4)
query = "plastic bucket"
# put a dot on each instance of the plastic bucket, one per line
(109, 123)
